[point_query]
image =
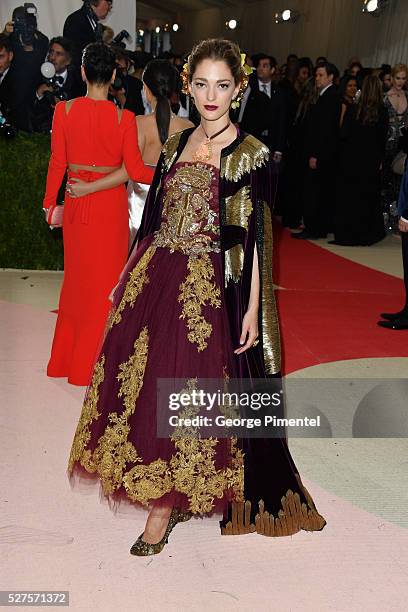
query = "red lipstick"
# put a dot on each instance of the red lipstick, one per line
(209, 107)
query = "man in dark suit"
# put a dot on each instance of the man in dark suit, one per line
(67, 84)
(321, 145)
(82, 27)
(262, 111)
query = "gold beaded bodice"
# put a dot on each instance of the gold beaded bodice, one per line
(190, 218)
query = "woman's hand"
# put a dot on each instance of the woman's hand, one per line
(403, 225)
(77, 188)
(249, 332)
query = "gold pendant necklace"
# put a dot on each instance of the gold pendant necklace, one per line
(204, 151)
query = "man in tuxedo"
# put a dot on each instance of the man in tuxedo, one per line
(67, 84)
(262, 111)
(321, 144)
(82, 27)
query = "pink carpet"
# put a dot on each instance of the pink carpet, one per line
(53, 538)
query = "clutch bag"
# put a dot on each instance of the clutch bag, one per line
(56, 215)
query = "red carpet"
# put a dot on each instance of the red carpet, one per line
(329, 306)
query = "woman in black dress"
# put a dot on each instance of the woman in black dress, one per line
(358, 216)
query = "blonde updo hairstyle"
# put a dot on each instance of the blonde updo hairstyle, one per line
(399, 68)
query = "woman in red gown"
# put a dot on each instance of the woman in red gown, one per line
(90, 138)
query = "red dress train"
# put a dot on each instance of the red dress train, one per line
(95, 227)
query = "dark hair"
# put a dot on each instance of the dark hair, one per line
(344, 82)
(161, 78)
(370, 101)
(217, 49)
(95, 2)
(99, 62)
(63, 42)
(330, 69)
(5, 43)
(356, 64)
(263, 56)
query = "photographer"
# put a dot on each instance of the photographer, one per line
(29, 48)
(64, 85)
(126, 90)
(82, 27)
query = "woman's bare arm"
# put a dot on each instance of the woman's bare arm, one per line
(79, 188)
(249, 331)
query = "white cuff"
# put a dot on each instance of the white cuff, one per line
(403, 219)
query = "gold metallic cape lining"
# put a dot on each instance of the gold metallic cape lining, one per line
(238, 207)
(293, 517)
(170, 149)
(248, 155)
(270, 326)
(234, 262)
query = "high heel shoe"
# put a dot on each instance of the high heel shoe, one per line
(143, 549)
(393, 316)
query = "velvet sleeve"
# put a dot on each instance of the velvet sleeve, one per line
(132, 158)
(58, 160)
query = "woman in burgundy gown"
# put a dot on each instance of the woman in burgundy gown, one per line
(195, 301)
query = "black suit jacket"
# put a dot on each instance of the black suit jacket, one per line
(79, 30)
(134, 100)
(265, 114)
(324, 127)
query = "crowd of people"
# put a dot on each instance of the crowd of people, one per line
(342, 137)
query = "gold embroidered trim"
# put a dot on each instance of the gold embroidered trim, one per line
(193, 465)
(293, 517)
(114, 451)
(187, 213)
(238, 207)
(197, 291)
(170, 149)
(270, 325)
(234, 263)
(89, 413)
(137, 280)
(249, 155)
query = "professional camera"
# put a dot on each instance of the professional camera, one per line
(54, 81)
(25, 24)
(119, 38)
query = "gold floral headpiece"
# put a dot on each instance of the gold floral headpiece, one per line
(246, 72)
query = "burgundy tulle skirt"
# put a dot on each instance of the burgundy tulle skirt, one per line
(168, 321)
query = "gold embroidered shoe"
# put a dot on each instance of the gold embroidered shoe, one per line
(143, 549)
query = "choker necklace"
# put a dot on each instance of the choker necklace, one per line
(204, 151)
